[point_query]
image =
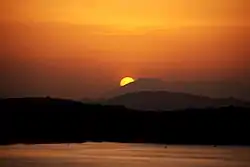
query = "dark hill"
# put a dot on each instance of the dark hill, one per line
(47, 120)
(163, 100)
(48, 104)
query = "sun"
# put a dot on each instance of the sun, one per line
(126, 80)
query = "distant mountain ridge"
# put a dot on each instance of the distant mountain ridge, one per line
(209, 89)
(164, 100)
(141, 84)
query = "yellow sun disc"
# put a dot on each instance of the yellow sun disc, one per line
(126, 81)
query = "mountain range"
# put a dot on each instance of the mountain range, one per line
(204, 88)
(153, 94)
(163, 100)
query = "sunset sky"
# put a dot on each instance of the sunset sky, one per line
(82, 48)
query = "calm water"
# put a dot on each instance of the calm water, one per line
(122, 155)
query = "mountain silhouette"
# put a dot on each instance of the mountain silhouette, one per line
(164, 100)
(210, 89)
(141, 84)
(51, 120)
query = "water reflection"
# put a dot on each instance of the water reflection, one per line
(122, 155)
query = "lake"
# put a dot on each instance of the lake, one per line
(122, 155)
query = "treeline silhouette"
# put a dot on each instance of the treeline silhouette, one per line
(47, 120)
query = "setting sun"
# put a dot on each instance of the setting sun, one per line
(126, 81)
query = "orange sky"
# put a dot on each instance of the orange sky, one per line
(76, 43)
(131, 13)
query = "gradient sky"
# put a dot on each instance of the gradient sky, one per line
(77, 48)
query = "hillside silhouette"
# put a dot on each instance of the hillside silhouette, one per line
(163, 100)
(49, 120)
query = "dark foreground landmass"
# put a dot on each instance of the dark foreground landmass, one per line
(46, 120)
